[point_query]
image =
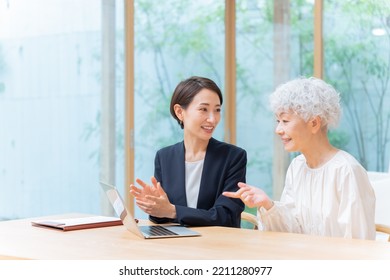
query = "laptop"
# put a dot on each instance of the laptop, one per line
(147, 232)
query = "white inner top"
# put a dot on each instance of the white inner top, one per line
(193, 175)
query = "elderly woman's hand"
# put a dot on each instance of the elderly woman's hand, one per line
(251, 196)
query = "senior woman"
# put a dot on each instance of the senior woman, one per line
(327, 192)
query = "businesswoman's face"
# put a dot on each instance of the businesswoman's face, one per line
(202, 115)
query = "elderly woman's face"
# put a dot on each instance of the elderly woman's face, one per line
(294, 132)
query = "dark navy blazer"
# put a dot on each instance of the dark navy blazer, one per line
(224, 166)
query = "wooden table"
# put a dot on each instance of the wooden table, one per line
(20, 240)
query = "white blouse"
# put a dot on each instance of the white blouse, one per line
(335, 199)
(193, 176)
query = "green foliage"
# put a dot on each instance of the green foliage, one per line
(250, 210)
(358, 65)
(263, 165)
(92, 131)
(254, 34)
(246, 224)
(339, 139)
(178, 40)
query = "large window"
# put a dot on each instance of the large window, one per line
(173, 41)
(62, 88)
(51, 88)
(357, 62)
(274, 44)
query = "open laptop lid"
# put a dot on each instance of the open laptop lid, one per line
(148, 232)
(120, 209)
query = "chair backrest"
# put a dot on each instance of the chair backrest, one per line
(381, 185)
(380, 182)
(383, 230)
(249, 221)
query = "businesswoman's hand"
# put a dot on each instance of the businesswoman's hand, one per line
(251, 196)
(145, 190)
(153, 200)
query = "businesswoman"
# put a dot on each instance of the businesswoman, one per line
(190, 176)
(327, 191)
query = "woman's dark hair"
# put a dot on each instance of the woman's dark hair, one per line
(186, 90)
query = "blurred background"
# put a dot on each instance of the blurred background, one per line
(63, 91)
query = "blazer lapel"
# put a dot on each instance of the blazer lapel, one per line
(207, 188)
(178, 175)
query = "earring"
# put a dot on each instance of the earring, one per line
(181, 122)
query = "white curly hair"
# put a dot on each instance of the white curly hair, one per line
(308, 97)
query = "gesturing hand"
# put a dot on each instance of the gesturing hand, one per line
(145, 190)
(152, 199)
(251, 196)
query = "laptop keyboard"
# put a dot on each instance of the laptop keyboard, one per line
(157, 231)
